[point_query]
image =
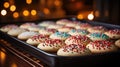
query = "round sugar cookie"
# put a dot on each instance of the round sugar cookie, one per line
(73, 50)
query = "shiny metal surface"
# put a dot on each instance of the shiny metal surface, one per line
(13, 57)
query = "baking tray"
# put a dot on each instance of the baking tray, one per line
(53, 60)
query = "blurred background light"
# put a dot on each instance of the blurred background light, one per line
(3, 12)
(25, 12)
(46, 11)
(33, 12)
(57, 2)
(80, 16)
(90, 16)
(15, 14)
(12, 8)
(6, 4)
(28, 1)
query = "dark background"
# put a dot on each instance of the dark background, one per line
(109, 11)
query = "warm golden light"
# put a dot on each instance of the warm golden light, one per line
(46, 11)
(6, 4)
(25, 12)
(90, 16)
(57, 2)
(3, 12)
(2, 56)
(15, 14)
(28, 1)
(12, 8)
(14, 65)
(80, 16)
(33, 12)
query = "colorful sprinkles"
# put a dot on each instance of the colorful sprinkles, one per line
(98, 35)
(78, 39)
(39, 37)
(62, 34)
(53, 42)
(101, 44)
(115, 31)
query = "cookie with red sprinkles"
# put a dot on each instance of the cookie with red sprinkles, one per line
(35, 40)
(78, 39)
(113, 34)
(101, 46)
(73, 50)
(51, 45)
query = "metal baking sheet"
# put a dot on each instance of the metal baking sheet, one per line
(53, 60)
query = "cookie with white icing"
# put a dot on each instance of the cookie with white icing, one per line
(16, 31)
(6, 28)
(51, 45)
(35, 28)
(73, 50)
(26, 35)
(27, 25)
(45, 23)
(101, 46)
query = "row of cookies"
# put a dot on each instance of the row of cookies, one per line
(48, 33)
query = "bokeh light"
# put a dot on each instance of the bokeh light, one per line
(33, 12)
(80, 16)
(90, 16)
(12, 8)
(3, 12)
(25, 12)
(15, 14)
(28, 1)
(6, 4)
(46, 10)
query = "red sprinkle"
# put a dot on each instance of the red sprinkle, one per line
(78, 39)
(52, 42)
(101, 44)
(115, 31)
(39, 37)
(51, 30)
